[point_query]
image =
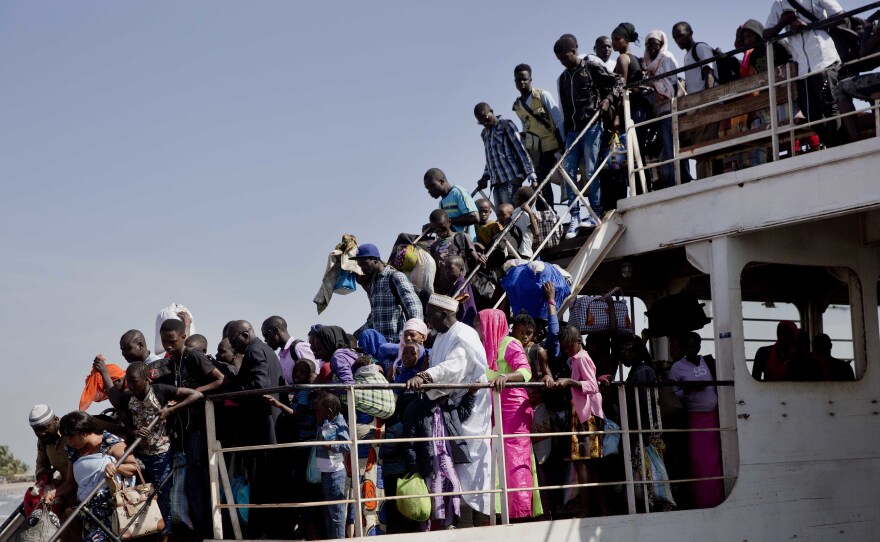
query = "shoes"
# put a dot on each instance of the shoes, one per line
(574, 223)
(588, 223)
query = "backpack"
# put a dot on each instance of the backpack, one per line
(727, 67)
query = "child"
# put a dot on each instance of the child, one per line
(587, 412)
(486, 229)
(331, 460)
(145, 401)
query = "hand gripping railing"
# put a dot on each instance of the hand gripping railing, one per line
(496, 435)
(578, 199)
(82, 505)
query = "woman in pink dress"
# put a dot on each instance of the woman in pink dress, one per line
(508, 362)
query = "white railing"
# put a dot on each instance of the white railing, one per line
(219, 477)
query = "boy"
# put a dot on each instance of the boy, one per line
(144, 401)
(331, 461)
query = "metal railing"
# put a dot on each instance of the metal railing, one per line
(777, 77)
(630, 439)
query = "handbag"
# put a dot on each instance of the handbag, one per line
(41, 525)
(345, 284)
(417, 506)
(379, 403)
(601, 314)
(136, 510)
(617, 152)
(313, 475)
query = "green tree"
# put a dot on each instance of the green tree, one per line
(9, 464)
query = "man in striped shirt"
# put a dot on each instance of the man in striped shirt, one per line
(507, 162)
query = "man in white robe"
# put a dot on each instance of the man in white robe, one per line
(458, 357)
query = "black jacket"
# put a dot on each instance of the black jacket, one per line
(582, 88)
(418, 457)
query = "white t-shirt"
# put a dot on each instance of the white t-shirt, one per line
(524, 224)
(813, 50)
(693, 78)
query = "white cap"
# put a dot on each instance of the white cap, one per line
(444, 302)
(40, 415)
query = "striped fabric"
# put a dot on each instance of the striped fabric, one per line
(506, 157)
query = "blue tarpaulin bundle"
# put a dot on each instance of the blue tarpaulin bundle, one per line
(524, 286)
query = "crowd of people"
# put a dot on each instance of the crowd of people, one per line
(451, 335)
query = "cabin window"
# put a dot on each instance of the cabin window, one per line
(798, 322)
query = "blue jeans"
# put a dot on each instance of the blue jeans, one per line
(587, 150)
(667, 172)
(503, 192)
(333, 484)
(157, 471)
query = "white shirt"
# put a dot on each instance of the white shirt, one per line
(524, 223)
(693, 78)
(813, 50)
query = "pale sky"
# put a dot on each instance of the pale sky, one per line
(212, 153)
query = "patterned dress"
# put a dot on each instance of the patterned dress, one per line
(101, 505)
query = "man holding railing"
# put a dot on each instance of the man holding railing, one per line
(458, 357)
(815, 54)
(585, 87)
(508, 164)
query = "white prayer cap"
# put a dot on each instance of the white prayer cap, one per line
(444, 302)
(40, 415)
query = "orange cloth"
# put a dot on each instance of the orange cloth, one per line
(94, 390)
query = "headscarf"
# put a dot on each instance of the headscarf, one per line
(413, 324)
(493, 323)
(655, 67)
(332, 338)
(627, 31)
(370, 340)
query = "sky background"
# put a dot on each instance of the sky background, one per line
(213, 153)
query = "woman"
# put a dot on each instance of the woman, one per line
(508, 363)
(630, 68)
(657, 61)
(333, 344)
(93, 456)
(414, 333)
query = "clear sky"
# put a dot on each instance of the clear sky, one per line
(213, 152)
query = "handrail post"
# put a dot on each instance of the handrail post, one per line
(213, 470)
(774, 118)
(354, 462)
(675, 143)
(626, 447)
(501, 460)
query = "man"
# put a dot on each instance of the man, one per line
(815, 53)
(274, 331)
(393, 300)
(838, 369)
(133, 346)
(189, 368)
(603, 50)
(51, 456)
(542, 127)
(458, 357)
(697, 79)
(585, 88)
(455, 200)
(508, 164)
(260, 369)
(199, 342)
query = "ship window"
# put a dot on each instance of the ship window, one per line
(798, 322)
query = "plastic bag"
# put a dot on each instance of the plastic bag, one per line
(617, 150)
(313, 475)
(168, 313)
(94, 389)
(524, 285)
(345, 284)
(611, 442)
(418, 506)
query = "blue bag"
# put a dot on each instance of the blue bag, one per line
(345, 284)
(313, 475)
(611, 443)
(524, 287)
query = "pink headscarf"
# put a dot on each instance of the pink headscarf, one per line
(493, 323)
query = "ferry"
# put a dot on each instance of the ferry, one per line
(801, 459)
